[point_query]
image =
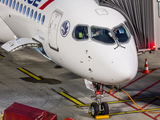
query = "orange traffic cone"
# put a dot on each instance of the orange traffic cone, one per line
(146, 69)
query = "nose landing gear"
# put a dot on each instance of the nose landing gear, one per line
(99, 109)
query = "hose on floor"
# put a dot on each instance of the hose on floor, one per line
(136, 103)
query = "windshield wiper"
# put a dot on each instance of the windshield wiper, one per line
(119, 45)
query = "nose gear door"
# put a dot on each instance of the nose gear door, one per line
(52, 30)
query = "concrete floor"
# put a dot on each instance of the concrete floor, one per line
(15, 86)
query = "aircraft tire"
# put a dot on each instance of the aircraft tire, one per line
(105, 108)
(94, 109)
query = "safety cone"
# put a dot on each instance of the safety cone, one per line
(146, 69)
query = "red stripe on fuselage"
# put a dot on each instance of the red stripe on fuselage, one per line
(46, 4)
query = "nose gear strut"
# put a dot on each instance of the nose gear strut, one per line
(98, 108)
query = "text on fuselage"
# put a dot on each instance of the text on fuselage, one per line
(35, 3)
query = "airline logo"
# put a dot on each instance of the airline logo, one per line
(35, 3)
(65, 27)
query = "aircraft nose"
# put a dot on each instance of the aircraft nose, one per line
(122, 70)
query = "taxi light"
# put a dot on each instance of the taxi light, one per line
(98, 92)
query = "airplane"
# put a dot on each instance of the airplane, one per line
(90, 40)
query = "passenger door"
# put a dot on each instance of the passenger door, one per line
(53, 28)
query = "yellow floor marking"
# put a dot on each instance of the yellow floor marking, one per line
(80, 104)
(1, 56)
(2, 116)
(71, 98)
(122, 101)
(140, 99)
(137, 111)
(29, 73)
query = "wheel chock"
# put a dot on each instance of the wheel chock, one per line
(102, 117)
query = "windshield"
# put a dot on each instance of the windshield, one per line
(118, 34)
(80, 32)
(122, 33)
(102, 35)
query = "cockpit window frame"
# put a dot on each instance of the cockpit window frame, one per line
(73, 32)
(100, 41)
(89, 28)
(122, 24)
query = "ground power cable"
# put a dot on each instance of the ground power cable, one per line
(136, 103)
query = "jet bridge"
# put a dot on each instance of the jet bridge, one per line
(142, 19)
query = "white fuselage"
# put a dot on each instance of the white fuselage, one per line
(92, 59)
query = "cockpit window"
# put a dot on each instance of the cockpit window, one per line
(80, 32)
(102, 35)
(122, 33)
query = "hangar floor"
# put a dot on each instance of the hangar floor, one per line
(27, 77)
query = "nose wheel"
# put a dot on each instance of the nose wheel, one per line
(99, 108)
(94, 109)
(104, 108)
